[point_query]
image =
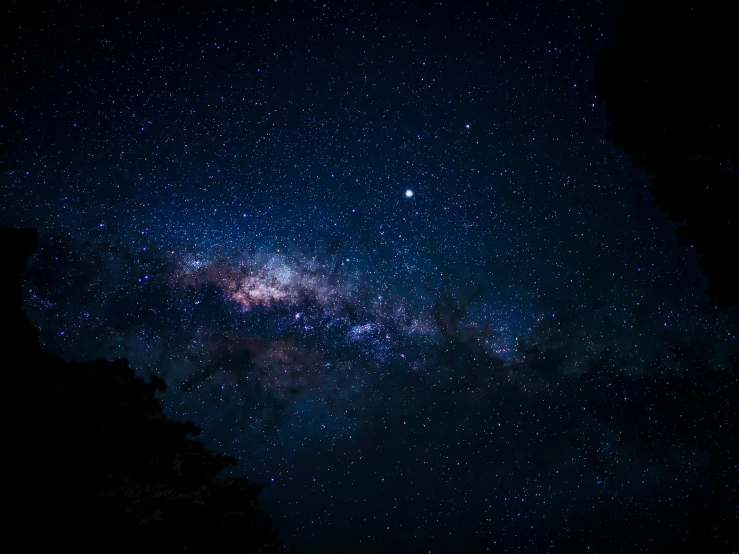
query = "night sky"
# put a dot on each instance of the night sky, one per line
(382, 253)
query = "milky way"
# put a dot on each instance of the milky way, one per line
(308, 300)
(382, 254)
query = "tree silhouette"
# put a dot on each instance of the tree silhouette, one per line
(92, 462)
(667, 80)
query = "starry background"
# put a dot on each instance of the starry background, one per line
(381, 252)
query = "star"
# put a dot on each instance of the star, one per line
(409, 193)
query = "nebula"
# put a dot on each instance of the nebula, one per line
(264, 281)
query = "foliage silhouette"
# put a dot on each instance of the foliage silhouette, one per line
(670, 96)
(92, 462)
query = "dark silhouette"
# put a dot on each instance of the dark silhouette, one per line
(91, 461)
(668, 81)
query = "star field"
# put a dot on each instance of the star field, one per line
(382, 254)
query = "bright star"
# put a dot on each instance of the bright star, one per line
(408, 193)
